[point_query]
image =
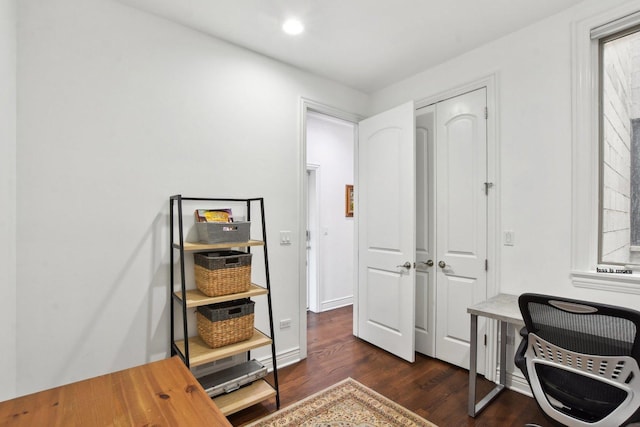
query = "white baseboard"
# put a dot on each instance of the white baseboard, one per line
(284, 358)
(517, 382)
(336, 303)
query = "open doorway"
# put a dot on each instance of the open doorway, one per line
(330, 224)
(327, 279)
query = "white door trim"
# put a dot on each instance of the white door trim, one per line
(307, 105)
(314, 299)
(493, 201)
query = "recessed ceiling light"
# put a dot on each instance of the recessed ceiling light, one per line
(292, 27)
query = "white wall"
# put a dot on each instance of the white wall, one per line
(330, 144)
(533, 69)
(8, 197)
(534, 136)
(118, 110)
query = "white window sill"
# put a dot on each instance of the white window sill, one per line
(628, 283)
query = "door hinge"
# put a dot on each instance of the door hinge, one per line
(486, 265)
(485, 339)
(486, 113)
(487, 186)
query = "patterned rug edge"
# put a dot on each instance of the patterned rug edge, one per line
(417, 419)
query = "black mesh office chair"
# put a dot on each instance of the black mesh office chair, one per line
(581, 360)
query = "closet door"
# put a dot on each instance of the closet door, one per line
(461, 215)
(425, 225)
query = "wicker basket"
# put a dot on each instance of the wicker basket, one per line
(222, 272)
(226, 322)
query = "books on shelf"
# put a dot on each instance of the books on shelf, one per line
(213, 215)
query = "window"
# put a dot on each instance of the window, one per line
(619, 120)
(604, 225)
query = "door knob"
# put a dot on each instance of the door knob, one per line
(442, 264)
(424, 264)
(406, 265)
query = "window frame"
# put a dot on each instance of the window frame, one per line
(585, 232)
(616, 30)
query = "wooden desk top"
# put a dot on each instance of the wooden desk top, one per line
(162, 393)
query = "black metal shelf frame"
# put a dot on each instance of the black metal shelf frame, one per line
(175, 204)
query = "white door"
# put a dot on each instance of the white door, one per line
(425, 240)
(461, 215)
(385, 213)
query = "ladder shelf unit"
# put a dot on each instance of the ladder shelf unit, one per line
(192, 349)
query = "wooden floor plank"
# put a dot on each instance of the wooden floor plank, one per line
(431, 388)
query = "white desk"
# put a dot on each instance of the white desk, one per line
(503, 308)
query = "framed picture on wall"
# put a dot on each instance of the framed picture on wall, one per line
(348, 201)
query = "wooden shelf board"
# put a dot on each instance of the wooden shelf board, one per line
(200, 353)
(196, 247)
(244, 397)
(195, 298)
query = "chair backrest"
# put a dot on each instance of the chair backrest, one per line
(582, 359)
(583, 327)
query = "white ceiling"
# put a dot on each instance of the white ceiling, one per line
(364, 44)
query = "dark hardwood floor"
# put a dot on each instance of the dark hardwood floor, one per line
(431, 388)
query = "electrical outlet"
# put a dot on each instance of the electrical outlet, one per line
(285, 237)
(285, 323)
(509, 238)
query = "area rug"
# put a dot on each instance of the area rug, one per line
(345, 404)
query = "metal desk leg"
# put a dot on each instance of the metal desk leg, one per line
(473, 365)
(474, 409)
(503, 353)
